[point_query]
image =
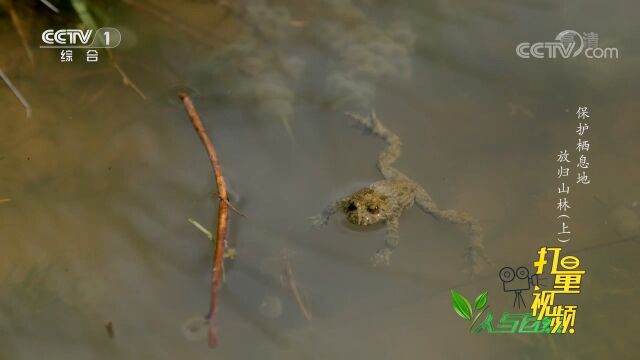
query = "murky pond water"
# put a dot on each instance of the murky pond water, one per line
(102, 182)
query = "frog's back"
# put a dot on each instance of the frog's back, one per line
(400, 190)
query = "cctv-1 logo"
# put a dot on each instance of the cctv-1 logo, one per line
(106, 37)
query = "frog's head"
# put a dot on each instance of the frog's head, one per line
(365, 207)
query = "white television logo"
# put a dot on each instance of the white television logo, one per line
(568, 43)
(106, 37)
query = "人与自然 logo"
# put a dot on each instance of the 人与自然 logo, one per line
(567, 44)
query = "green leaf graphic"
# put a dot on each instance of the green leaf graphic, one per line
(461, 305)
(481, 301)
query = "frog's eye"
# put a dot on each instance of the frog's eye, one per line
(373, 209)
(352, 207)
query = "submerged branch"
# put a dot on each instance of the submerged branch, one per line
(294, 289)
(127, 82)
(17, 93)
(223, 206)
(80, 7)
(20, 29)
(50, 6)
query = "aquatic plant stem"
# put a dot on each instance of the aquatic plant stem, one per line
(127, 81)
(18, 95)
(20, 29)
(223, 208)
(50, 6)
(294, 289)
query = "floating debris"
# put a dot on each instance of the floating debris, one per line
(128, 82)
(271, 307)
(625, 221)
(195, 328)
(201, 228)
(229, 252)
(291, 281)
(108, 325)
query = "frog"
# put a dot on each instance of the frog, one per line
(384, 201)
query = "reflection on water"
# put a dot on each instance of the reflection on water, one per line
(102, 182)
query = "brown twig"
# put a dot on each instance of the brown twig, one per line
(234, 208)
(14, 90)
(127, 82)
(4, 200)
(223, 206)
(20, 29)
(96, 95)
(125, 79)
(294, 289)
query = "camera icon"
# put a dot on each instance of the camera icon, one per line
(517, 281)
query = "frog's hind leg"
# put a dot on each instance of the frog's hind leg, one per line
(475, 254)
(371, 124)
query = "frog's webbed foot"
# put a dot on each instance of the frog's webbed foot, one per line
(383, 256)
(322, 218)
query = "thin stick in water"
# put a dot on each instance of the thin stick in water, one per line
(223, 206)
(17, 93)
(50, 6)
(294, 289)
(127, 82)
(20, 29)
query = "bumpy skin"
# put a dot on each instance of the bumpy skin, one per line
(385, 200)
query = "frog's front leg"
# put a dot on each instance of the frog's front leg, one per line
(475, 252)
(383, 256)
(322, 218)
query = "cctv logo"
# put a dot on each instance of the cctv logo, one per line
(66, 37)
(567, 44)
(106, 37)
